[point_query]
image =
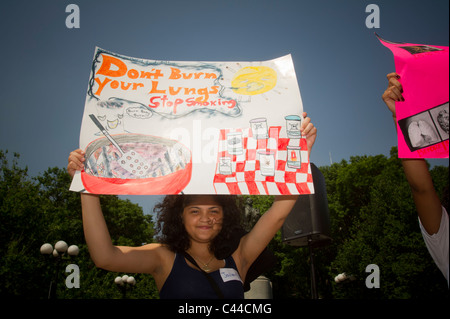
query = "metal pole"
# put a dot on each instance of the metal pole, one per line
(313, 272)
(54, 282)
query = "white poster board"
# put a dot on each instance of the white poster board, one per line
(160, 127)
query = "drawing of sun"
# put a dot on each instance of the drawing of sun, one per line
(254, 80)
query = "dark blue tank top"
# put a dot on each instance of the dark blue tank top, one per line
(184, 282)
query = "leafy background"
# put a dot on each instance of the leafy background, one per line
(372, 216)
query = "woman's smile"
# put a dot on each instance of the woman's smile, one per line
(204, 227)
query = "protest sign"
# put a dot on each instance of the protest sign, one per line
(423, 118)
(162, 127)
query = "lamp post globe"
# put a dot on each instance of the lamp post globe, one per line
(61, 246)
(73, 250)
(58, 252)
(118, 281)
(46, 249)
(125, 283)
(131, 281)
(340, 277)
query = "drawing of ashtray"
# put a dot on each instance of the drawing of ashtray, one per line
(169, 166)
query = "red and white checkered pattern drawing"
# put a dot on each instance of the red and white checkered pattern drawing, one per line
(252, 165)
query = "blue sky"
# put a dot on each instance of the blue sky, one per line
(340, 65)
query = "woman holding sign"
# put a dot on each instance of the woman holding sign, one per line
(188, 263)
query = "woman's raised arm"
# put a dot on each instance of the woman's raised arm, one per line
(144, 259)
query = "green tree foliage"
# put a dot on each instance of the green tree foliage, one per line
(385, 231)
(37, 210)
(372, 216)
(20, 229)
(373, 221)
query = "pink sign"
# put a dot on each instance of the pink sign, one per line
(423, 118)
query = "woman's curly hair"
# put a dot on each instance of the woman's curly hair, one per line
(171, 230)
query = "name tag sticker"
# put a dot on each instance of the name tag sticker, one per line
(229, 274)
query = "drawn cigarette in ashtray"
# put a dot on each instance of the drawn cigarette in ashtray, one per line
(169, 162)
(131, 161)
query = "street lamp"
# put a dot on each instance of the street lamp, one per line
(125, 283)
(60, 250)
(344, 278)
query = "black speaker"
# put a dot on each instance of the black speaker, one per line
(309, 222)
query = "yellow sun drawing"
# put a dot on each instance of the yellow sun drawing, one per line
(254, 80)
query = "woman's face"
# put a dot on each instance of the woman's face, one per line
(202, 219)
